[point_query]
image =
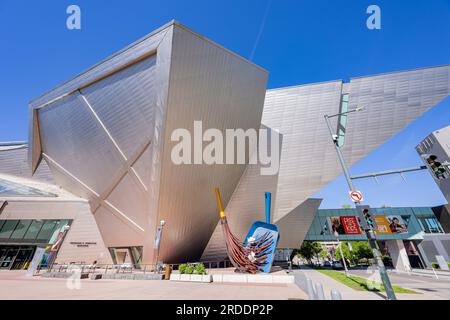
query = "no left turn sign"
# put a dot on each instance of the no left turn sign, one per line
(356, 196)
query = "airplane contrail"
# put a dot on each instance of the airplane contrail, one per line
(261, 29)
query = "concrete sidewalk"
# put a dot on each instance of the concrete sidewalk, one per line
(16, 286)
(348, 293)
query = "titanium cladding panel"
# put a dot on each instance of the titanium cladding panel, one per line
(106, 136)
(307, 158)
(391, 102)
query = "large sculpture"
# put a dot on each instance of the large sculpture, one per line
(256, 253)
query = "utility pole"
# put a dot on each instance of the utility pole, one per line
(369, 232)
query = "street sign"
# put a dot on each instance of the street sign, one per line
(356, 196)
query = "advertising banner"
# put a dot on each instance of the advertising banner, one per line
(382, 225)
(344, 225)
(350, 224)
(157, 238)
(397, 224)
(35, 262)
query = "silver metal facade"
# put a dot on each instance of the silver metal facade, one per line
(14, 161)
(391, 101)
(106, 136)
(308, 161)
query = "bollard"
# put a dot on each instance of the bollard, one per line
(319, 292)
(310, 289)
(167, 272)
(335, 295)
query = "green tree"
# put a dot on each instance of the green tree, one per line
(309, 250)
(360, 250)
(324, 253)
(345, 249)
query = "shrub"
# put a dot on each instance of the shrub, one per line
(189, 269)
(435, 265)
(182, 268)
(387, 261)
(199, 268)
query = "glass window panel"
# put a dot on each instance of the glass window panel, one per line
(33, 230)
(1, 223)
(8, 228)
(47, 230)
(345, 97)
(21, 228)
(9, 188)
(406, 219)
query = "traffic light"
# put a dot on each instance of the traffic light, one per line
(436, 167)
(366, 220)
(369, 219)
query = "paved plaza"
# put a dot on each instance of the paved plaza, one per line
(15, 285)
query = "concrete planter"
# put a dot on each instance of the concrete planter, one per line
(191, 277)
(185, 277)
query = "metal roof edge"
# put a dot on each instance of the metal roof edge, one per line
(13, 143)
(306, 84)
(152, 33)
(400, 71)
(177, 23)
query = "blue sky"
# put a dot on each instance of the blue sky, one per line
(297, 41)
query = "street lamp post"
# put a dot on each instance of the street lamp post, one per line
(336, 234)
(369, 232)
(158, 242)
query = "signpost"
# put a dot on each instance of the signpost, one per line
(356, 194)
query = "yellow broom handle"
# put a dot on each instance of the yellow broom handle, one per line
(219, 203)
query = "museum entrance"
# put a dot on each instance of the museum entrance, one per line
(16, 257)
(127, 256)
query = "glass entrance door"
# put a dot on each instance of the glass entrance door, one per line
(23, 258)
(9, 257)
(16, 257)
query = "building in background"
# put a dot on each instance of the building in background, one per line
(104, 139)
(435, 152)
(400, 232)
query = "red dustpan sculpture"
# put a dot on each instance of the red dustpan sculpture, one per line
(250, 257)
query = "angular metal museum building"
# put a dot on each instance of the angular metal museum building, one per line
(101, 144)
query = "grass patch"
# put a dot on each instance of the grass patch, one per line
(361, 284)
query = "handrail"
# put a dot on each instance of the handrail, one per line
(124, 268)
